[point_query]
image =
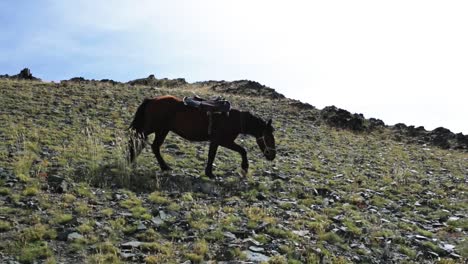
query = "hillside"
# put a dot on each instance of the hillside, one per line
(342, 189)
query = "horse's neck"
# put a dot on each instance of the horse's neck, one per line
(252, 124)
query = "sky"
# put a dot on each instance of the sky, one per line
(399, 61)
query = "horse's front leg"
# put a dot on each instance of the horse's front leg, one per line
(211, 157)
(239, 149)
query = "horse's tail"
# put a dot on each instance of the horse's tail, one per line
(137, 138)
(139, 119)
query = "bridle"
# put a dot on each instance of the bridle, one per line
(261, 138)
(267, 148)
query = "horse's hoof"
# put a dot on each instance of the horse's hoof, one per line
(243, 173)
(167, 168)
(210, 175)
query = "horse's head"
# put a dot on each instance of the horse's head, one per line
(266, 141)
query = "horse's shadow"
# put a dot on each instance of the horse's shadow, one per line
(143, 181)
(180, 183)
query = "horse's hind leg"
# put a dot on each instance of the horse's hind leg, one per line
(156, 146)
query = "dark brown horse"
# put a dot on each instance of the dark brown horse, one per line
(168, 113)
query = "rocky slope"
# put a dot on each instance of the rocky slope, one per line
(343, 189)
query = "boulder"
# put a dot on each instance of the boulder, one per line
(340, 118)
(25, 74)
(151, 80)
(244, 87)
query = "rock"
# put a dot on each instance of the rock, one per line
(252, 241)
(449, 248)
(301, 233)
(341, 118)
(151, 80)
(131, 244)
(262, 227)
(127, 256)
(244, 87)
(419, 237)
(256, 249)
(338, 218)
(157, 221)
(282, 176)
(74, 236)
(57, 184)
(301, 105)
(455, 256)
(255, 257)
(230, 235)
(163, 216)
(261, 196)
(141, 227)
(441, 136)
(62, 234)
(25, 74)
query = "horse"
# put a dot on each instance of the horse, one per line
(164, 114)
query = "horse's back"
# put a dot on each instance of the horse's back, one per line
(167, 98)
(164, 103)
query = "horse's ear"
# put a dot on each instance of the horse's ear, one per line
(269, 122)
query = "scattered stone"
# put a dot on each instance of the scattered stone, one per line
(125, 214)
(419, 237)
(383, 220)
(230, 235)
(127, 256)
(338, 218)
(255, 256)
(281, 176)
(455, 256)
(74, 236)
(252, 241)
(157, 221)
(256, 249)
(301, 233)
(449, 248)
(57, 184)
(141, 227)
(131, 244)
(163, 215)
(262, 227)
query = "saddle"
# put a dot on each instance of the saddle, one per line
(214, 105)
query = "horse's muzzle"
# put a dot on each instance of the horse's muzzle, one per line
(270, 154)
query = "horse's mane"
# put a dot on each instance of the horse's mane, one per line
(254, 123)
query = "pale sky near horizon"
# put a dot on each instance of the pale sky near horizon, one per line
(399, 61)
